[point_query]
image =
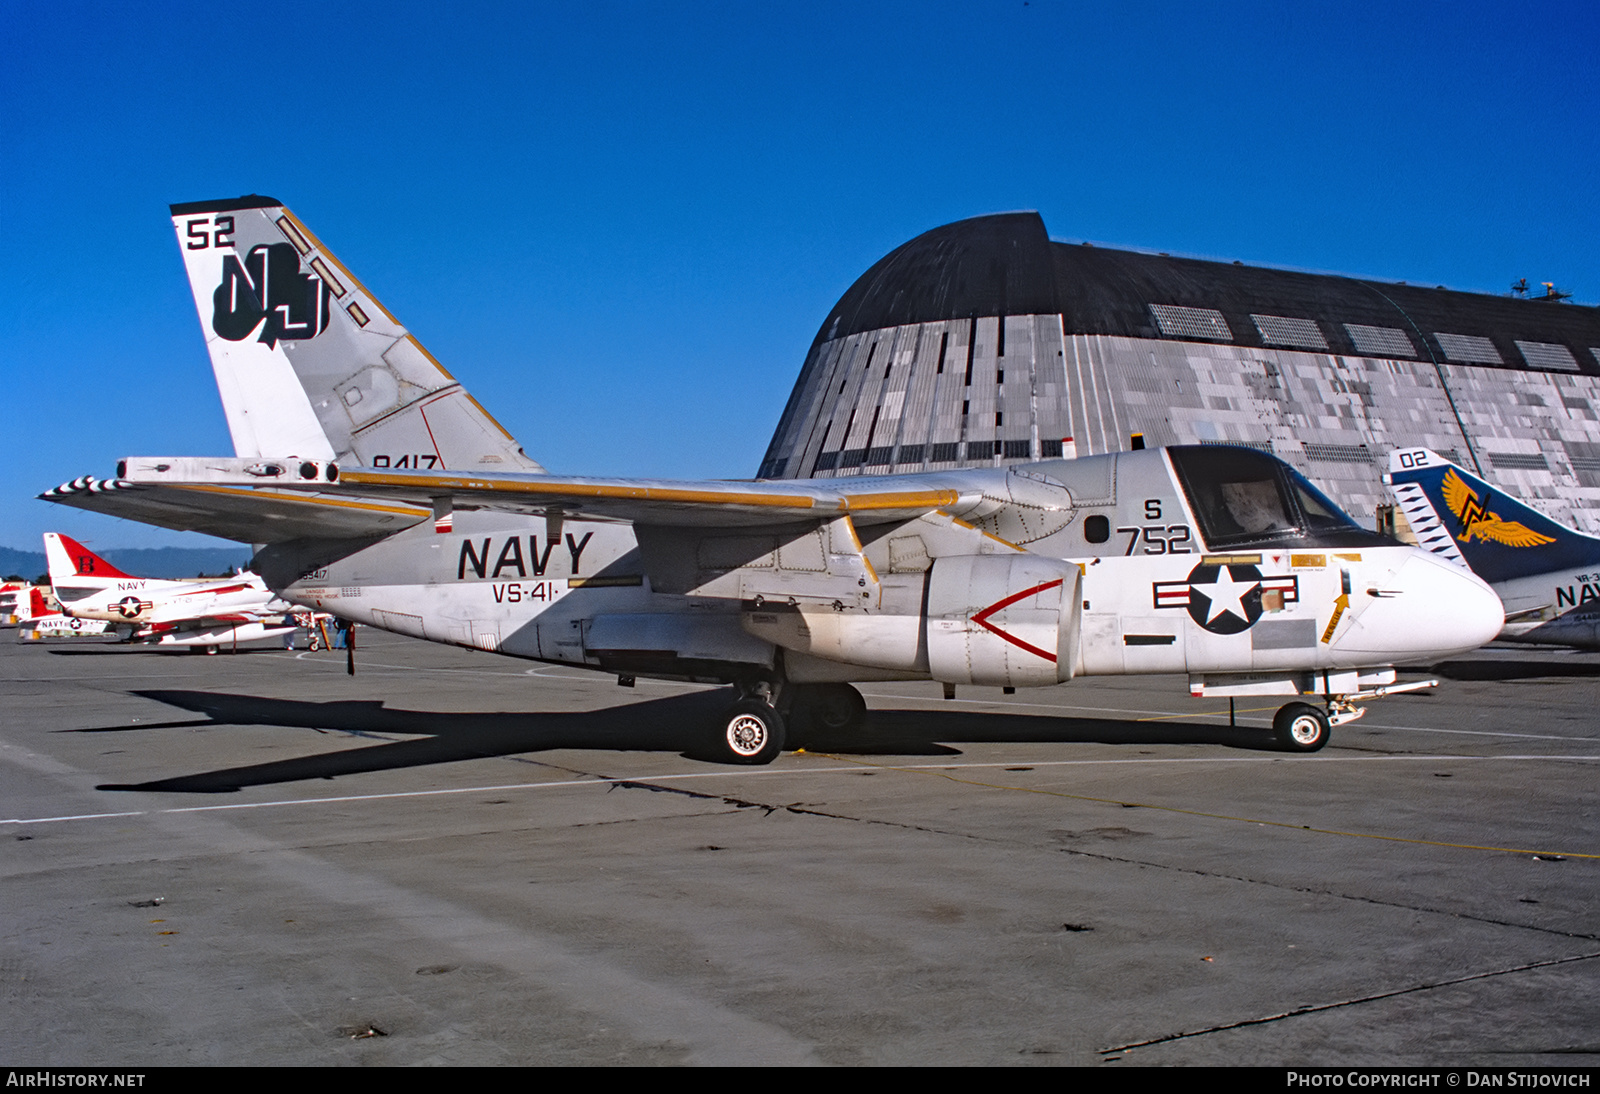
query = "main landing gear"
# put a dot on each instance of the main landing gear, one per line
(753, 729)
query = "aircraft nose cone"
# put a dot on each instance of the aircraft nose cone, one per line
(1432, 608)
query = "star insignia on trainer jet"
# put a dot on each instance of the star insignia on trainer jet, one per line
(1225, 597)
(1476, 520)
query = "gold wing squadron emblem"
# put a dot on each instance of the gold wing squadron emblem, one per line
(1478, 521)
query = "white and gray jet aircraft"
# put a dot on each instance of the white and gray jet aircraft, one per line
(376, 488)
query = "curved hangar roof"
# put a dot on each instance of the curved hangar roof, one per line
(984, 342)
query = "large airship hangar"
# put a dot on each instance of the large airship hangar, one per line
(985, 343)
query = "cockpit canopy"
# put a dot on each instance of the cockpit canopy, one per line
(1245, 498)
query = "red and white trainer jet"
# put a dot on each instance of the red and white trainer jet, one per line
(206, 613)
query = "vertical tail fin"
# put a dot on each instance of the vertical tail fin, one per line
(1456, 514)
(71, 563)
(309, 363)
(34, 606)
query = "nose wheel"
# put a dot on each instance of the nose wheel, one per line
(1301, 727)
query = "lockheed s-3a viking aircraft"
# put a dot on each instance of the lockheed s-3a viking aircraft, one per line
(376, 488)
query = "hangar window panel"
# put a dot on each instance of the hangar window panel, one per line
(1380, 341)
(1470, 349)
(826, 461)
(880, 455)
(1548, 355)
(945, 453)
(1050, 450)
(1019, 450)
(1338, 453)
(981, 450)
(1282, 330)
(910, 453)
(852, 457)
(1518, 461)
(1181, 322)
(1259, 446)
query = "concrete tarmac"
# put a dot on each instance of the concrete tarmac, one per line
(455, 858)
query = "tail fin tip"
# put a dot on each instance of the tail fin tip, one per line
(67, 558)
(309, 363)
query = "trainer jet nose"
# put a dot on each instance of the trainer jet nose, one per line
(1426, 608)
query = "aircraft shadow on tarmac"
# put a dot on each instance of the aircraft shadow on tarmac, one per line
(1491, 671)
(677, 723)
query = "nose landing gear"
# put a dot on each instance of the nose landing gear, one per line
(1301, 727)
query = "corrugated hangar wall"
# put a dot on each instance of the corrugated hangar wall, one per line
(983, 343)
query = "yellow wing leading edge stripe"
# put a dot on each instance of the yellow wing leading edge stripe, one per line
(929, 499)
(399, 509)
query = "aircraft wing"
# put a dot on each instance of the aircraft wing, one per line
(656, 501)
(246, 513)
(236, 499)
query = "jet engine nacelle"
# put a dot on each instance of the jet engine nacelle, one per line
(1003, 620)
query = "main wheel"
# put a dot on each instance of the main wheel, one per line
(834, 708)
(752, 733)
(1301, 727)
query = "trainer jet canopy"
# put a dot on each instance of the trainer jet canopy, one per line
(376, 488)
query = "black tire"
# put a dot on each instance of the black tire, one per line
(1301, 727)
(751, 732)
(835, 708)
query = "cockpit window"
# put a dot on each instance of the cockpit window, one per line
(1255, 506)
(1322, 515)
(1245, 498)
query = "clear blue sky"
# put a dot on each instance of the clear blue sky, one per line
(620, 225)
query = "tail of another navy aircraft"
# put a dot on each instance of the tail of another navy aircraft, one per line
(310, 364)
(72, 565)
(1456, 514)
(34, 605)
